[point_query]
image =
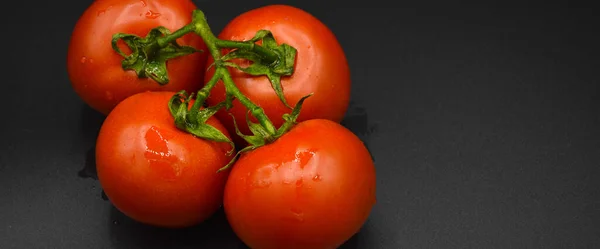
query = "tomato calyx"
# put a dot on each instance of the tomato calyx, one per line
(193, 120)
(260, 136)
(261, 65)
(149, 55)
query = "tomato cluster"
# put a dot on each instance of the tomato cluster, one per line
(287, 177)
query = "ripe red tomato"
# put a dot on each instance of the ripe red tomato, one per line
(320, 68)
(95, 68)
(152, 171)
(312, 188)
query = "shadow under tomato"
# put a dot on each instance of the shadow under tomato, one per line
(358, 240)
(353, 243)
(215, 232)
(357, 120)
(89, 169)
(91, 121)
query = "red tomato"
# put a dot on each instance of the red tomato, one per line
(312, 188)
(95, 68)
(152, 171)
(321, 68)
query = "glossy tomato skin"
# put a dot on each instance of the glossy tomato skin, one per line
(312, 188)
(155, 173)
(320, 68)
(94, 68)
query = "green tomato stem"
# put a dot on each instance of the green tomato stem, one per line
(255, 110)
(201, 27)
(164, 40)
(268, 55)
(270, 59)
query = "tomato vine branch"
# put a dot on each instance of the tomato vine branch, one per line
(269, 59)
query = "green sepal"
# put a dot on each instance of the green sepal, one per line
(234, 159)
(260, 137)
(147, 58)
(257, 138)
(290, 118)
(194, 120)
(283, 66)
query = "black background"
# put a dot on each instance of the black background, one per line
(484, 124)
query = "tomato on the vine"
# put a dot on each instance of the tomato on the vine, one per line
(320, 68)
(95, 68)
(314, 187)
(155, 173)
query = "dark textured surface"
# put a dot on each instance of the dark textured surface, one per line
(484, 124)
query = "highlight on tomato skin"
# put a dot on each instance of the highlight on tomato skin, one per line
(95, 69)
(312, 188)
(155, 173)
(321, 68)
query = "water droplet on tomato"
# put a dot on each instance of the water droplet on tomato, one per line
(109, 95)
(143, 3)
(156, 144)
(262, 183)
(102, 11)
(158, 154)
(297, 214)
(83, 59)
(152, 15)
(287, 180)
(261, 177)
(317, 178)
(304, 157)
(299, 183)
(288, 171)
